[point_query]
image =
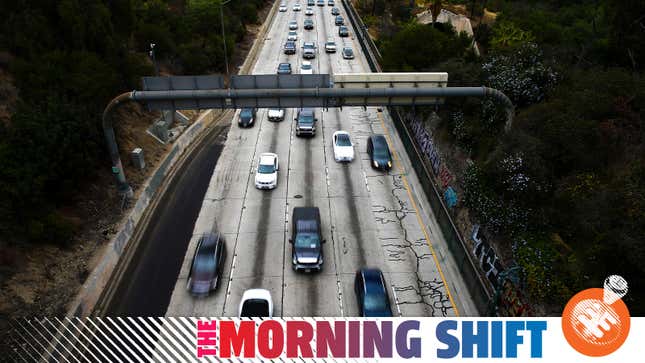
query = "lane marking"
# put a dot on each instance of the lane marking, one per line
(414, 205)
(396, 301)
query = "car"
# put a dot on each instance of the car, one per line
(276, 114)
(330, 46)
(283, 7)
(348, 53)
(306, 68)
(339, 20)
(371, 293)
(311, 2)
(306, 122)
(284, 68)
(330, 2)
(343, 146)
(247, 117)
(379, 152)
(292, 35)
(296, 7)
(256, 303)
(308, 50)
(309, 11)
(207, 265)
(266, 176)
(290, 47)
(335, 11)
(293, 25)
(321, 2)
(306, 240)
(308, 24)
(343, 31)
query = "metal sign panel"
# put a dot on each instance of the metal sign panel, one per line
(272, 81)
(174, 83)
(391, 80)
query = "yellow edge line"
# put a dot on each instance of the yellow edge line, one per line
(414, 205)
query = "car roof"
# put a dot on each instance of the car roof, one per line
(373, 278)
(267, 158)
(284, 64)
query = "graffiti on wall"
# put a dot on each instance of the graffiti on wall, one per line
(489, 262)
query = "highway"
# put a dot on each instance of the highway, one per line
(369, 218)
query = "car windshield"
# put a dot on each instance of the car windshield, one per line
(343, 140)
(307, 240)
(246, 112)
(306, 66)
(348, 51)
(381, 151)
(307, 119)
(266, 169)
(255, 308)
(309, 46)
(292, 33)
(331, 43)
(284, 66)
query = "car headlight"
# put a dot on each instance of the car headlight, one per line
(295, 260)
(375, 164)
(389, 164)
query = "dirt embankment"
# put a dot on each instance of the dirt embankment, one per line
(41, 280)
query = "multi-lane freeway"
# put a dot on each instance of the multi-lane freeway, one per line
(370, 218)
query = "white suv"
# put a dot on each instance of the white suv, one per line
(266, 176)
(343, 146)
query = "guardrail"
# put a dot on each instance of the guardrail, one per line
(477, 287)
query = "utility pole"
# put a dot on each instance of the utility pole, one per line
(221, 14)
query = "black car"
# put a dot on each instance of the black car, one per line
(207, 265)
(306, 122)
(247, 117)
(379, 152)
(290, 47)
(339, 20)
(309, 24)
(335, 11)
(306, 239)
(348, 53)
(284, 68)
(342, 31)
(371, 293)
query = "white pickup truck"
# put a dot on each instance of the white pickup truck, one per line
(276, 114)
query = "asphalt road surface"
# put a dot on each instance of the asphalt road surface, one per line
(369, 218)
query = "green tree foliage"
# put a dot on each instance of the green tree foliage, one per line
(70, 57)
(419, 47)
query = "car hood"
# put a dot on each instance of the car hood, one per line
(245, 120)
(307, 255)
(382, 161)
(265, 178)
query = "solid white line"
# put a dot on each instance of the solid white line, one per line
(396, 301)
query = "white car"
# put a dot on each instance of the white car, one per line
(309, 11)
(296, 7)
(306, 68)
(293, 25)
(283, 7)
(330, 46)
(343, 146)
(266, 176)
(293, 35)
(276, 114)
(256, 303)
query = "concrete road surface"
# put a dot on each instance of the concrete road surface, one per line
(369, 217)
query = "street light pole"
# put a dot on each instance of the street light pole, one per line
(221, 14)
(154, 60)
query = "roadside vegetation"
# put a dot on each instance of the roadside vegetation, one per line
(564, 191)
(67, 59)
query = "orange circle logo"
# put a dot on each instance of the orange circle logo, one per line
(595, 322)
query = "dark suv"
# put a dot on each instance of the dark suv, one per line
(308, 24)
(284, 68)
(207, 265)
(342, 31)
(290, 47)
(306, 122)
(306, 239)
(339, 20)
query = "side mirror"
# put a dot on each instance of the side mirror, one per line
(324, 241)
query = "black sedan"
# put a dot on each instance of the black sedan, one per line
(371, 293)
(379, 152)
(206, 268)
(343, 31)
(335, 11)
(284, 68)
